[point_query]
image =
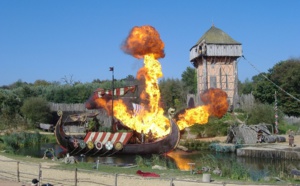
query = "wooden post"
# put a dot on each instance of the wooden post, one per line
(191, 167)
(171, 183)
(40, 174)
(204, 76)
(97, 164)
(235, 89)
(116, 180)
(112, 100)
(18, 171)
(75, 176)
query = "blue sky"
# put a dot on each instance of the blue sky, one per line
(53, 39)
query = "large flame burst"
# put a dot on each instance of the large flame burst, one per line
(144, 42)
(152, 116)
(216, 104)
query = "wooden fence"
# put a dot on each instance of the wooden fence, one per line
(25, 172)
(79, 107)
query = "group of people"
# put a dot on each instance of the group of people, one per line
(147, 137)
(260, 137)
(142, 137)
(291, 137)
(35, 182)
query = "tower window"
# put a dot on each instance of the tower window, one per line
(213, 82)
(226, 81)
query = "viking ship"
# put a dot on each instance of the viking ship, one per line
(109, 143)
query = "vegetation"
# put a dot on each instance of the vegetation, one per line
(143, 162)
(232, 171)
(189, 79)
(172, 94)
(36, 109)
(24, 104)
(285, 74)
(13, 142)
(196, 145)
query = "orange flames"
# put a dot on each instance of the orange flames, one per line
(152, 116)
(144, 42)
(216, 104)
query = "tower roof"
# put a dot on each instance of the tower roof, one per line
(216, 36)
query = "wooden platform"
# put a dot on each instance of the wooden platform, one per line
(270, 151)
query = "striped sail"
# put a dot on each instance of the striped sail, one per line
(117, 91)
(137, 109)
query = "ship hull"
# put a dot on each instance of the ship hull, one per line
(84, 144)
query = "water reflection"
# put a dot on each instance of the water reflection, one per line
(38, 151)
(257, 167)
(118, 159)
(183, 158)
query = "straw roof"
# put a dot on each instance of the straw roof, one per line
(216, 36)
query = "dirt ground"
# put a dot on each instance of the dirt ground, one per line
(108, 180)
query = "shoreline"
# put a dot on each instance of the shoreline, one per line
(109, 179)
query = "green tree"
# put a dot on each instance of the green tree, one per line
(172, 94)
(263, 89)
(17, 84)
(129, 80)
(286, 75)
(263, 113)
(9, 110)
(246, 87)
(25, 92)
(36, 109)
(41, 83)
(2, 98)
(10, 106)
(189, 79)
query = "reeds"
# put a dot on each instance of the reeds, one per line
(154, 160)
(15, 141)
(196, 145)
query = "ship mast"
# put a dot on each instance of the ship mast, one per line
(112, 100)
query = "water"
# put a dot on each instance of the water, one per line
(36, 151)
(257, 167)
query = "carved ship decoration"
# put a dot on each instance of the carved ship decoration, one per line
(111, 143)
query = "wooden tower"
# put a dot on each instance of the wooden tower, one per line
(215, 58)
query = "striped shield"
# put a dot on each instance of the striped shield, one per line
(104, 137)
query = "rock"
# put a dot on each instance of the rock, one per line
(159, 167)
(69, 160)
(183, 148)
(205, 169)
(295, 172)
(217, 171)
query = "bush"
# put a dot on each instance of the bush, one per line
(214, 127)
(283, 128)
(14, 141)
(263, 113)
(36, 110)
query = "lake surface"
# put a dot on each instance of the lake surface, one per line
(258, 167)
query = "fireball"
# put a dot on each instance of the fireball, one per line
(144, 43)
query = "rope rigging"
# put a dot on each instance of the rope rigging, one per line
(272, 81)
